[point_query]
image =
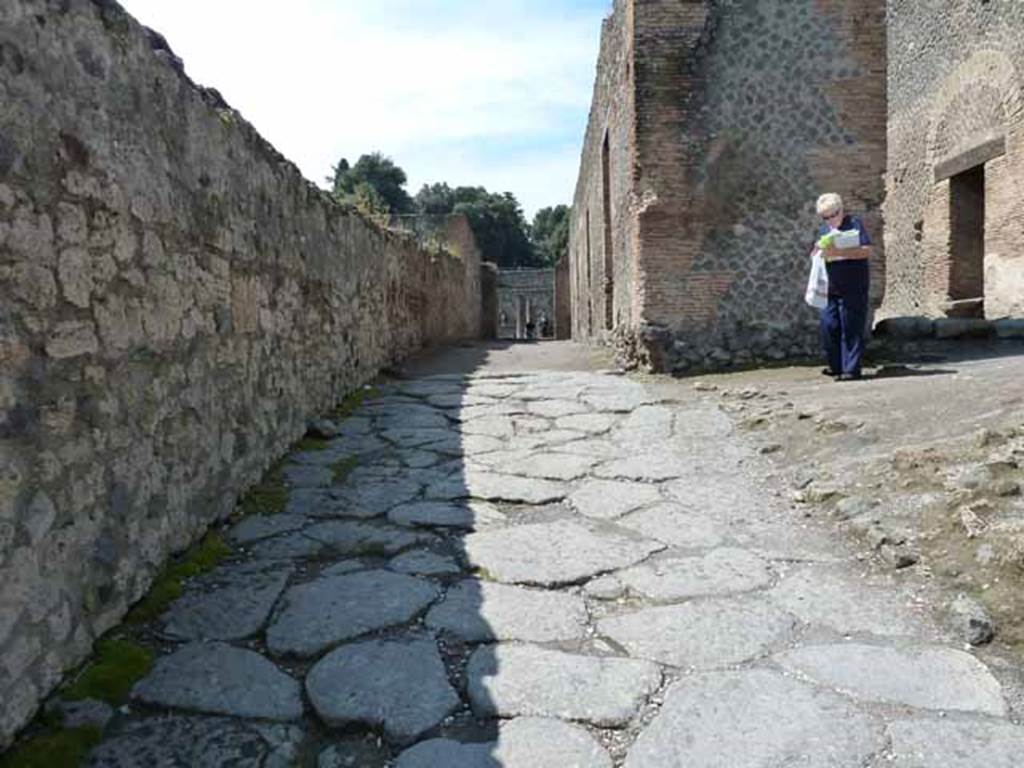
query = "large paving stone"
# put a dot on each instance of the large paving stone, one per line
(553, 409)
(552, 554)
(675, 526)
(307, 476)
(591, 423)
(925, 677)
(526, 742)
(723, 495)
(327, 611)
(354, 537)
(607, 499)
(723, 571)
(230, 603)
(223, 680)
(289, 546)
(372, 499)
(492, 426)
(754, 719)
(477, 611)
(551, 465)
(259, 527)
(309, 502)
(702, 634)
(646, 426)
(468, 514)
(173, 741)
(423, 562)
(479, 484)
(620, 400)
(650, 467)
(514, 680)
(416, 437)
(399, 685)
(956, 744)
(829, 597)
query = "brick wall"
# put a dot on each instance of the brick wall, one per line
(738, 115)
(955, 83)
(603, 224)
(175, 302)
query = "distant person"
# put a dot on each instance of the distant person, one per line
(530, 329)
(846, 260)
(545, 327)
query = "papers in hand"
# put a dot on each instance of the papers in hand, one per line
(848, 238)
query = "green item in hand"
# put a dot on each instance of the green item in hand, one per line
(826, 241)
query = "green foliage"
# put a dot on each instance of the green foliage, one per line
(53, 748)
(168, 585)
(550, 233)
(110, 676)
(268, 497)
(341, 469)
(311, 444)
(374, 185)
(497, 221)
(352, 401)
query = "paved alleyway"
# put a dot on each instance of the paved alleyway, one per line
(548, 569)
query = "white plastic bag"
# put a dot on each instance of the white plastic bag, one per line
(817, 282)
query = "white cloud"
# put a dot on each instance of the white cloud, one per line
(426, 82)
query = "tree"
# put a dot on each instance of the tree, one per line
(497, 221)
(377, 172)
(550, 233)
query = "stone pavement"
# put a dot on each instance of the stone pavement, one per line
(551, 569)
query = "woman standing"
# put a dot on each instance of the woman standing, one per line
(844, 317)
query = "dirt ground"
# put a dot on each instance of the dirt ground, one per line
(920, 462)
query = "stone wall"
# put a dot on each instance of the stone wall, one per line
(563, 299)
(955, 84)
(175, 302)
(602, 226)
(726, 119)
(525, 296)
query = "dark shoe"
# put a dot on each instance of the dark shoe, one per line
(848, 377)
(829, 372)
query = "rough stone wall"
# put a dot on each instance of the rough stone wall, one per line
(743, 112)
(955, 81)
(524, 296)
(603, 223)
(563, 299)
(175, 301)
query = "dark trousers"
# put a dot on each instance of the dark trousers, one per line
(842, 331)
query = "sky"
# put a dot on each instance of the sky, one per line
(491, 93)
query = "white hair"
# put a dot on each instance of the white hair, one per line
(830, 202)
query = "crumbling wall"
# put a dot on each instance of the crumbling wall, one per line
(743, 112)
(175, 302)
(602, 225)
(955, 82)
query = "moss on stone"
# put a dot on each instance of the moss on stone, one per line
(119, 663)
(341, 469)
(352, 401)
(269, 496)
(310, 444)
(168, 585)
(51, 748)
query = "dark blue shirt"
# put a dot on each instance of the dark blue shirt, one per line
(846, 278)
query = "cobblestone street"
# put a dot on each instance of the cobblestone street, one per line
(545, 569)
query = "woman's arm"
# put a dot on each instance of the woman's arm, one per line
(860, 253)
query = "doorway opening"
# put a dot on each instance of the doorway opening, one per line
(967, 243)
(609, 258)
